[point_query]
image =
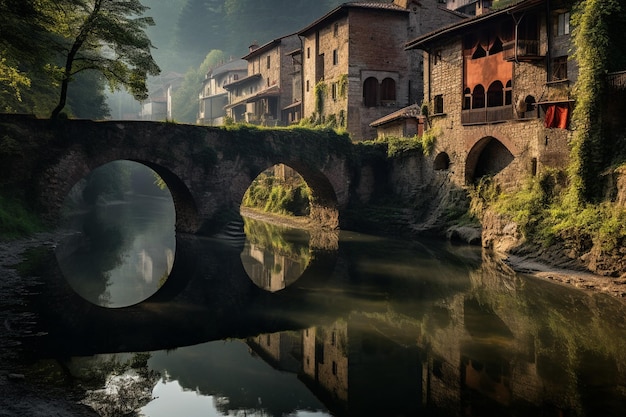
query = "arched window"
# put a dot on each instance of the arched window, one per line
(467, 99)
(388, 90)
(530, 103)
(495, 94)
(478, 97)
(508, 94)
(479, 52)
(441, 162)
(370, 92)
(496, 47)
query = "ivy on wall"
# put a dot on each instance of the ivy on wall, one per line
(591, 37)
(320, 95)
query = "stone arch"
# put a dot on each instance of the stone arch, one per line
(488, 156)
(370, 92)
(324, 206)
(74, 167)
(441, 162)
(187, 220)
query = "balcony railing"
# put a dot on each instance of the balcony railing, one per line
(487, 115)
(526, 49)
(617, 80)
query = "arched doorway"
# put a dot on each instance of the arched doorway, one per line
(489, 156)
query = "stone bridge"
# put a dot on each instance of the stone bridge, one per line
(206, 169)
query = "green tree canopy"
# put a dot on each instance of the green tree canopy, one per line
(107, 36)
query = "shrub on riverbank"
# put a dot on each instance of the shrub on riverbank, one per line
(272, 194)
(16, 220)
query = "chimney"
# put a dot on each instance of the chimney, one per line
(255, 45)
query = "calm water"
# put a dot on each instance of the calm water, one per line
(280, 322)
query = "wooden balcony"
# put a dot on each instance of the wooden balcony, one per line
(617, 80)
(527, 50)
(487, 115)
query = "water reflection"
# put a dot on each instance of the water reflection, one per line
(274, 256)
(378, 327)
(121, 242)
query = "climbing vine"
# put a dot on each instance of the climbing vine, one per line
(591, 38)
(343, 85)
(320, 94)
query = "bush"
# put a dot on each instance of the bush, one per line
(16, 220)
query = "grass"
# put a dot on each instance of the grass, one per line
(545, 213)
(16, 220)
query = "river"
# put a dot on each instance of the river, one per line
(265, 320)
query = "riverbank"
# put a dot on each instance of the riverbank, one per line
(20, 394)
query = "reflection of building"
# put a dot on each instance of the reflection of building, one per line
(214, 97)
(269, 269)
(261, 97)
(281, 350)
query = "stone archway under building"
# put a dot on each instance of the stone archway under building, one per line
(487, 157)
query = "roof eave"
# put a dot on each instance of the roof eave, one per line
(423, 41)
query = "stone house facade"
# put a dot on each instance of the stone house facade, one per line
(214, 97)
(260, 97)
(355, 69)
(498, 89)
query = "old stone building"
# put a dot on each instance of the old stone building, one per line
(354, 66)
(214, 97)
(260, 97)
(498, 89)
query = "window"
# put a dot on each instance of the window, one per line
(478, 97)
(268, 62)
(438, 104)
(508, 93)
(308, 52)
(268, 82)
(495, 94)
(307, 86)
(559, 68)
(334, 368)
(333, 91)
(388, 91)
(370, 89)
(562, 24)
(336, 29)
(335, 57)
(467, 99)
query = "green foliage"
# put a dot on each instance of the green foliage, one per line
(482, 195)
(107, 36)
(399, 145)
(273, 195)
(343, 85)
(321, 91)
(16, 220)
(590, 148)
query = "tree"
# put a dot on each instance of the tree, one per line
(106, 36)
(22, 33)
